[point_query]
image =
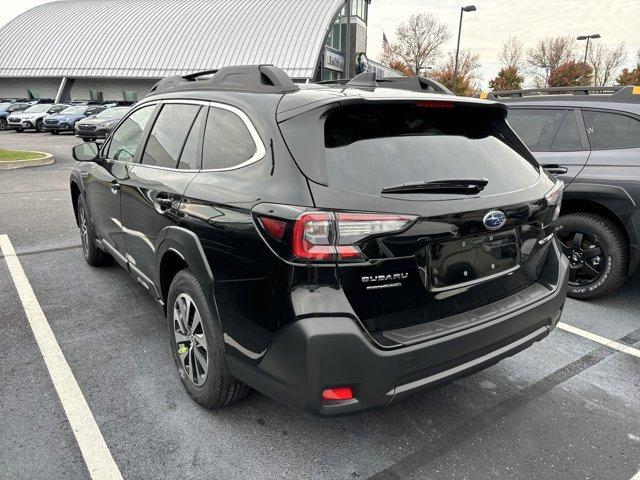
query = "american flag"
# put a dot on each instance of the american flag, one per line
(386, 48)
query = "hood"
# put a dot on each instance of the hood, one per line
(99, 121)
(65, 118)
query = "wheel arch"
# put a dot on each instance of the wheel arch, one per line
(180, 248)
(609, 201)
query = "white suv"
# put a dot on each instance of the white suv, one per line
(33, 116)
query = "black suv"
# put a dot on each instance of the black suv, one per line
(332, 246)
(590, 138)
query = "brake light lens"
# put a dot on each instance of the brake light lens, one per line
(435, 104)
(327, 236)
(340, 393)
(554, 198)
(274, 227)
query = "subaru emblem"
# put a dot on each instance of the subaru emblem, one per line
(494, 220)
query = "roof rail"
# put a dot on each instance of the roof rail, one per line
(413, 84)
(616, 92)
(244, 78)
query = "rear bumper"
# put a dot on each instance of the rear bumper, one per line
(313, 354)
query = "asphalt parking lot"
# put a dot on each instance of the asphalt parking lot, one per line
(569, 407)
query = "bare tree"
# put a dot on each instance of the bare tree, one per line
(418, 41)
(606, 62)
(511, 54)
(548, 53)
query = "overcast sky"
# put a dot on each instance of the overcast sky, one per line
(484, 30)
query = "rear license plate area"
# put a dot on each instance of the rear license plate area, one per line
(472, 260)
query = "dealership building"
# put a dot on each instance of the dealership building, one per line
(117, 49)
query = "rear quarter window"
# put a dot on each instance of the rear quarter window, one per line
(608, 130)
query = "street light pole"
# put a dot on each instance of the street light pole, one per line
(586, 50)
(468, 8)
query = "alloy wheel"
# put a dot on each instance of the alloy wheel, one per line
(191, 341)
(84, 232)
(587, 258)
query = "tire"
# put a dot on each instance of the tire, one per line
(92, 254)
(3, 124)
(212, 386)
(53, 132)
(598, 239)
(39, 126)
(18, 130)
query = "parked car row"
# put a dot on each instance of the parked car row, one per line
(79, 116)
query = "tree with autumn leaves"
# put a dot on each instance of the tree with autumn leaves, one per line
(630, 77)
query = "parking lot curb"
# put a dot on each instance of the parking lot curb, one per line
(46, 159)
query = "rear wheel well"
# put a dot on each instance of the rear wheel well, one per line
(75, 193)
(577, 205)
(172, 262)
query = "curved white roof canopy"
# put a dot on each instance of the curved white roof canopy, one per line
(158, 38)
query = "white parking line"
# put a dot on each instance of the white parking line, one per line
(604, 341)
(636, 476)
(94, 449)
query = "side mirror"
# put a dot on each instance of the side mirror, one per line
(86, 152)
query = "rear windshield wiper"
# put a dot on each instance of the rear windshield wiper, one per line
(464, 186)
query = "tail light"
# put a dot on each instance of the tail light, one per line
(554, 198)
(329, 236)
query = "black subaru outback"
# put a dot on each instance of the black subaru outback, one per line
(334, 247)
(590, 138)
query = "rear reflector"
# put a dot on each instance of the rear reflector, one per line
(340, 393)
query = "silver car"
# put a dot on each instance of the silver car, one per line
(32, 117)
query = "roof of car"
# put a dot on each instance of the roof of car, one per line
(296, 98)
(610, 97)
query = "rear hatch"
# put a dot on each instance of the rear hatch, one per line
(470, 197)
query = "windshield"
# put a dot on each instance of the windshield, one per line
(369, 148)
(41, 107)
(117, 112)
(74, 111)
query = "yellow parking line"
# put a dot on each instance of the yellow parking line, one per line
(94, 449)
(604, 341)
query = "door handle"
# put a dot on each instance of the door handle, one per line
(115, 187)
(554, 169)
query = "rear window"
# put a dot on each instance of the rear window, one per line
(368, 148)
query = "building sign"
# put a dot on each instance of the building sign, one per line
(333, 60)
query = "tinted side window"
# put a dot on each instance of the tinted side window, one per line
(169, 134)
(536, 127)
(227, 141)
(189, 157)
(126, 139)
(568, 138)
(611, 130)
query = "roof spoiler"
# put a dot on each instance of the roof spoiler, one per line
(244, 78)
(616, 93)
(412, 84)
